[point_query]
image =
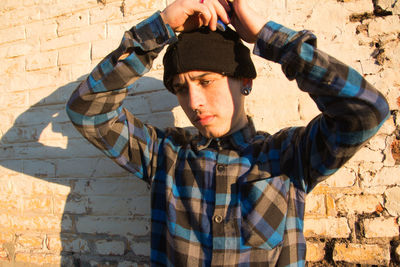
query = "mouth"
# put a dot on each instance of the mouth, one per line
(204, 119)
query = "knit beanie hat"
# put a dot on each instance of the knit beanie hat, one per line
(206, 50)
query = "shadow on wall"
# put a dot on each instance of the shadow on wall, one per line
(106, 214)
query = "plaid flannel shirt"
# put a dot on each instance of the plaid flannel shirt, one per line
(236, 200)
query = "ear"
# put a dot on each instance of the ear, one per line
(247, 82)
(246, 88)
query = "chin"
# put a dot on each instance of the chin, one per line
(213, 134)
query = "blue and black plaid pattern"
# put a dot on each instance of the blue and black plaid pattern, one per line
(237, 200)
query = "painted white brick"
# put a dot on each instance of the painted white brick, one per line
(10, 4)
(140, 247)
(326, 227)
(12, 34)
(134, 7)
(358, 6)
(344, 177)
(18, 83)
(105, 247)
(385, 176)
(5, 185)
(162, 101)
(79, 72)
(119, 206)
(373, 254)
(50, 96)
(161, 120)
(392, 49)
(41, 60)
(75, 54)
(381, 227)
(73, 21)
(39, 168)
(90, 34)
(131, 264)
(315, 251)
(73, 244)
(366, 154)
(14, 66)
(137, 104)
(76, 204)
(150, 83)
(112, 225)
(40, 223)
(315, 204)
(45, 78)
(392, 201)
(76, 148)
(9, 100)
(58, 43)
(124, 187)
(21, 48)
(358, 204)
(102, 48)
(108, 13)
(384, 25)
(116, 29)
(41, 30)
(89, 167)
(44, 115)
(38, 205)
(64, 8)
(5, 220)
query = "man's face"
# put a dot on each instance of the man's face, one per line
(212, 102)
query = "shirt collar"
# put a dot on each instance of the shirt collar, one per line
(239, 140)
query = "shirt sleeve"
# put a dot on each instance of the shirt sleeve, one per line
(352, 110)
(95, 107)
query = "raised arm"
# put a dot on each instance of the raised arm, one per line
(352, 110)
(95, 107)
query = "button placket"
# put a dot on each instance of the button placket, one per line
(218, 219)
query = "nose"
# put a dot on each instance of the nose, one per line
(196, 97)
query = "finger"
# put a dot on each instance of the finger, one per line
(217, 10)
(205, 17)
(222, 10)
(203, 11)
(212, 18)
(226, 5)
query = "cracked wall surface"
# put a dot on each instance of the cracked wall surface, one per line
(63, 203)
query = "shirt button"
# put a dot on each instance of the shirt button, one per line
(218, 218)
(220, 167)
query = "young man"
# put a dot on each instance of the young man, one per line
(229, 196)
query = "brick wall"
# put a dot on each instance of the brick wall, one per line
(63, 202)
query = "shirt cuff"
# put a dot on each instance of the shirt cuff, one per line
(272, 40)
(153, 33)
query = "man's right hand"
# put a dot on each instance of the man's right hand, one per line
(187, 15)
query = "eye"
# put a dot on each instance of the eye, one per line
(205, 83)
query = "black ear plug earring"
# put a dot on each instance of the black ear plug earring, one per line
(245, 90)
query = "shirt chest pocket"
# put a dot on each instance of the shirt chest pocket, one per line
(263, 207)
